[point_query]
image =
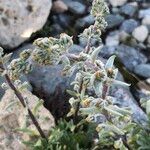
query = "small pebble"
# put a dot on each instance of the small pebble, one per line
(140, 33)
(116, 3)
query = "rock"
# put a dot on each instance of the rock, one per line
(59, 6)
(84, 22)
(56, 29)
(129, 25)
(25, 16)
(112, 39)
(75, 48)
(49, 84)
(143, 70)
(14, 116)
(146, 20)
(64, 20)
(124, 98)
(148, 39)
(124, 36)
(143, 13)
(128, 10)
(140, 33)
(129, 56)
(75, 7)
(114, 21)
(116, 3)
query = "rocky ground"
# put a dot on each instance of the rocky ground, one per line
(127, 36)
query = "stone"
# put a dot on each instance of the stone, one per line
(75, 7)
(146, 20)
(124, 98)
(123, 36)
(14, 116)
(116, 3)
(114, 21)
(148, 39)
(56, 29)
(129, 56)
(112, 39)
(143, 70)
(25, 16)
(140, 33)
(144, 12)
(75, 49)
(64, 20)
(59, 6)
(128, 10)
(129, 25)
(84, 22)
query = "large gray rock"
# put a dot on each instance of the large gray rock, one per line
(75, 7)
(116, 3)
(129, 25)
(19, 19)
(128, 10)
(143, 70)
(123, 98)
(14, 116)
(144, 12)
(129, 56)
(114, 21)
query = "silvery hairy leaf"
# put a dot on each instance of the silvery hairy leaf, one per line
(90, 110)
(110, 62)
(95, 53)
(122, 111)
(72, 93)
(116, 82)
(113, 112)
(148, 107)
(98, 88)
(6, 58)
(111, 128)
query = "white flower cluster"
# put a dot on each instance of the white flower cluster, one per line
(50, 49)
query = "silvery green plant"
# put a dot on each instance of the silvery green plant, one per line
(93, 79)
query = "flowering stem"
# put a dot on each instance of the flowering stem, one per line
(105, 91)
(21, 99)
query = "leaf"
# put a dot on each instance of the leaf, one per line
(95, 53)
(110, 62)
(116, 82)
(90, 110)
(98, 88)
(110, 110)
(119, 145)
(148, 107)
(122, 111)
(6, 58)
(92, 79)
(115, 73)
(37, 106)
(73, 101)
(28, 131)
(72, 93)
(112, 128)
(23, 86)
